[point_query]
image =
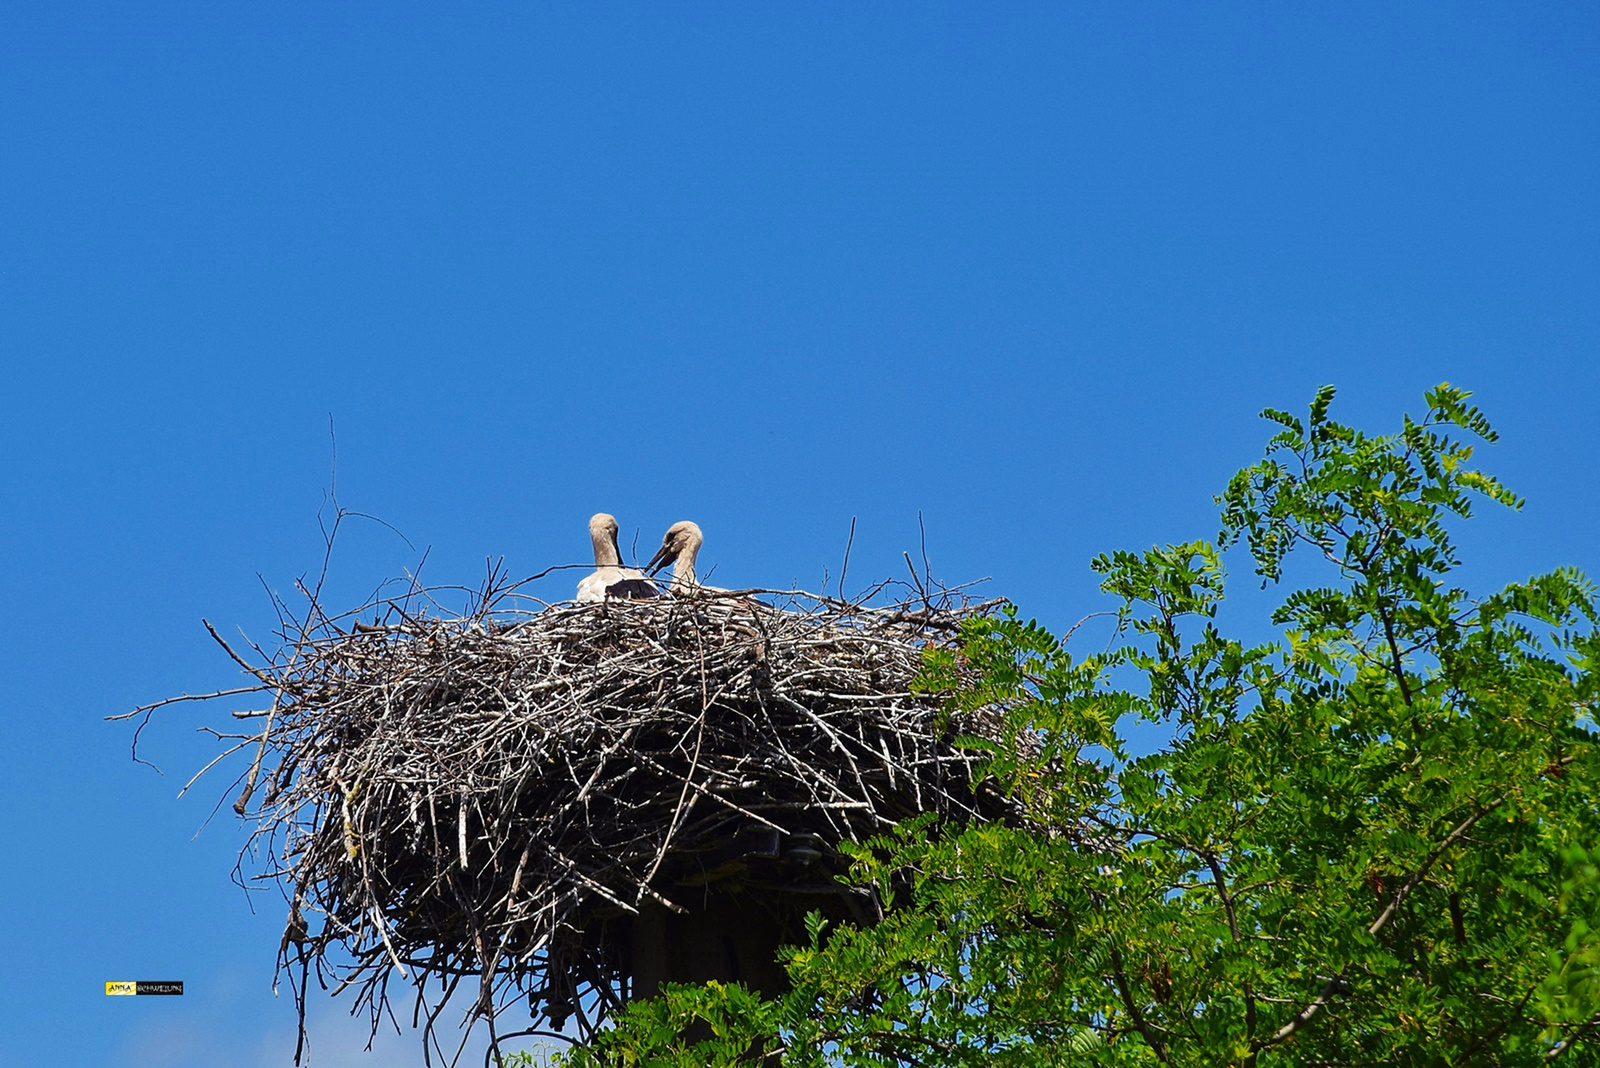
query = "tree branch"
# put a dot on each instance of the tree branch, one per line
(1145, 1030)
(1221, 884)
(1336, 984)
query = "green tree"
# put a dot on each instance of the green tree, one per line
(1372, 840)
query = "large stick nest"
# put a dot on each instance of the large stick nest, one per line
(482, 797)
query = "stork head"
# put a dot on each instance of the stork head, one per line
(682, 539)
(603, 532)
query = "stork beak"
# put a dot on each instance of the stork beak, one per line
(664, 556)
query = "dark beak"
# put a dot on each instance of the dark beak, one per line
(664, 556)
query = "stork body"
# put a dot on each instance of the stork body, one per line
(610, 578)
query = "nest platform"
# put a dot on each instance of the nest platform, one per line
(498, 803)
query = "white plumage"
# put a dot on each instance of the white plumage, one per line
(610, 578)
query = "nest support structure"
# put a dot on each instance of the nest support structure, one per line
(515, 805)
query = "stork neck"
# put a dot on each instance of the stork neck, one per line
(683, 578)
(606, 553)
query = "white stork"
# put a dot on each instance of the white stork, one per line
(610, 578)
(679, 548)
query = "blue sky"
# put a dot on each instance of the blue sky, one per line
(1028, 271)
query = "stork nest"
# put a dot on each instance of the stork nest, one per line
(482, 798)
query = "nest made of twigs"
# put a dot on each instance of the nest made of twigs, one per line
(475, 798)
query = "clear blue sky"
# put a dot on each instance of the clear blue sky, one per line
(1029, 272)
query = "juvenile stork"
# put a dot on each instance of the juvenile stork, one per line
(610, 578)
(679, 548)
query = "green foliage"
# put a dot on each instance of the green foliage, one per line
(1374, 840)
